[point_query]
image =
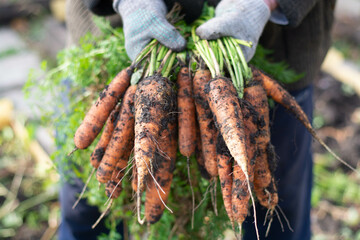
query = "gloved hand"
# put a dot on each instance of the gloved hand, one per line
(241, 19)
(145, 20)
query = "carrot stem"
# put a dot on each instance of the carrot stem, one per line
(247, 70)
(243, 42)
(145, 52)
(164, 62)
(213, 58)
(152, 61)
(205, 58)
(170, 64)
(161, 55)
(226, 57)
(236, 80)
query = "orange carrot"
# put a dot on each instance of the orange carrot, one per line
(225, 163)
(100, 110)
(200, 156)
(113, 187)
(154, 101)
(163, 166)
(280, 95)
(257, 109)
(152, 104)
(266, 193)
(208, 131)
(240, 195)
(121, 143)
(264, 184)
(186, 116)
(224, 104)
(102, 144)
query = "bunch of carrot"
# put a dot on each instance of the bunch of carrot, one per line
(139, 130)
(233, 114)
(217, 111)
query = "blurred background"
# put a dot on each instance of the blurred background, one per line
(34, 30)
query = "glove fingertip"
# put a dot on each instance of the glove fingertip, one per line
(202, 32)
(208, 30)
(171, 38)
(249, 52)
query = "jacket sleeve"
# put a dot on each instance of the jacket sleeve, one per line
(100, 7)
(296, 10)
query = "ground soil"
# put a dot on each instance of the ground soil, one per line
(338, 107)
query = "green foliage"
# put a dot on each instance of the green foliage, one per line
(26, 196)
(278, 70)
(334, 185)
(81, 72)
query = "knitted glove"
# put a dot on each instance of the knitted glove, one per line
(241, 19)
(145, 20)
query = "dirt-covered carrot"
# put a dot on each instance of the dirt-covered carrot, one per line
(200, 156)
(225, 167)
(225, 106)
(104, 140)
(100, 110)
(163, 167)
(186, 113)
(208, 131)
(266, 191)
(121, 142)
(280, 95)
(256, 104)
(256, 117)
(113, 187)
(153, 101)
(240, 195)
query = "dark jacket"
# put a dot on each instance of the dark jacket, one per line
(303, 43)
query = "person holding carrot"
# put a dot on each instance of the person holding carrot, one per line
(297, 32)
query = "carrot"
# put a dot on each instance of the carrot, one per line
(100, 110)
(98, 153)
(200, 156)
(226, 109)
(102, 144)
(250, 117)
(224, 104)
(163, 167)
(186, 122)
(121, 143)
(224, 161)
(280, 95)
(266, 191)
(256, 110)
(152, 104)
(264, 183)
(208, 131)
(113, 187)
(240, 195)
(186, 116)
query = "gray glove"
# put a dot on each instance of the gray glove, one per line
(241, 19)
(145, 20)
